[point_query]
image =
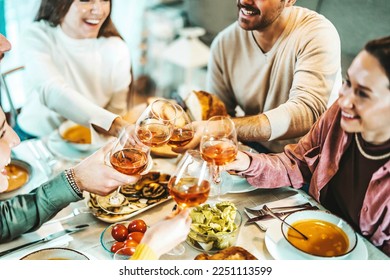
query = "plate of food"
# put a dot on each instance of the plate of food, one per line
(64, 150)
(150, 191)
(279, 248)
(19, 174)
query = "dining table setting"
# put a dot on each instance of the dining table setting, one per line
(255, 216)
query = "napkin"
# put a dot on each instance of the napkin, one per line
(288, 201)
(42, 232)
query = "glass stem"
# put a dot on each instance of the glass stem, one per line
(217, 179)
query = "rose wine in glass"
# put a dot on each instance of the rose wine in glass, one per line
(155, 125)
(129, 157)
(183, 131)
(219, 146)
(189, 185)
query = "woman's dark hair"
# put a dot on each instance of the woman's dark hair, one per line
(54, 11)
(380, 49)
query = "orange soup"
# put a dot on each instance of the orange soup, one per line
(324, 238)
(78, 134)
(17, 176)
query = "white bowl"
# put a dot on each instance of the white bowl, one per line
(83, 147)
(55, 254)
(333, 223)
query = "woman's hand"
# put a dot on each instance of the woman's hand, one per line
(94, 176)
(241, 163)
(166, 234)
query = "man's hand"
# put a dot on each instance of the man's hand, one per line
(94, 176)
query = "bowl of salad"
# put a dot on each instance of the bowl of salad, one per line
(214, 227)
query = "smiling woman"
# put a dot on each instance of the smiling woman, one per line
(346, 153)
(89, 82)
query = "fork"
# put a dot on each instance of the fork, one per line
(262, 212)
(75, 212)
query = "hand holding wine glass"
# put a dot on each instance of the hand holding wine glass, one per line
(189, 185)
(129, 157)
(155, 125)
(219, 145)
(183, 130)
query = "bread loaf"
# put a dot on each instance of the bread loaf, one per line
(231, 253)
(203, 105)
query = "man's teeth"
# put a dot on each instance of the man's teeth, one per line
(247, 12)
(92, 21)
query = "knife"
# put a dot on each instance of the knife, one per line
(46, 239)
(279, 214)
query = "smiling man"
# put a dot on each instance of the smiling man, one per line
(279, 64)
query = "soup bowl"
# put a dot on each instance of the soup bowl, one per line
(329, 236)
(19, 174)
(76, 136)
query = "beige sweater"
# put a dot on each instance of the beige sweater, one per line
(290, 84)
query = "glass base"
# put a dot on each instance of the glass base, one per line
(177, 251)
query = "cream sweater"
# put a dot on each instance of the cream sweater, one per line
(290, 84)
(72, 79)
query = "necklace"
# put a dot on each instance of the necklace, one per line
(367, 155)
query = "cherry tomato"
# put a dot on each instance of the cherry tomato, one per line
(130, 243)
(119, 232)
(135, 235)
(128, 251)
(137, 225)
(116, 246)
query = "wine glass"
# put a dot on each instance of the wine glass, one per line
(129, 157)
(183, 130)
(189, 185)
(155, 125)
(219, 146)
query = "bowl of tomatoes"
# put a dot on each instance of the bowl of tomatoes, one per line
(123, 236)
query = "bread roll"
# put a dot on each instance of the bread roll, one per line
(231, 253)
(203, 105)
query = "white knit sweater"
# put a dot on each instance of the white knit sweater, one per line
(72, 79)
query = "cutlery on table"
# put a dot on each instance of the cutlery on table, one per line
(46, 239)
(269, 211)
(259, 212)
(266, 216)
(75, 212)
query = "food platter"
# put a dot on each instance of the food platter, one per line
(150, 191)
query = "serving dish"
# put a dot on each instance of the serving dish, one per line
(150, 191)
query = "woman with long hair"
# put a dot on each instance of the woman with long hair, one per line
(77, 68)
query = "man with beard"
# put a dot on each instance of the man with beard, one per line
(279, 64)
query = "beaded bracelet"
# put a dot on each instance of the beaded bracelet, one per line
(69, 174)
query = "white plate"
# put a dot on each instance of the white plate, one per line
(63, 150)
(278, 248)
(235, 184)
(55, 254)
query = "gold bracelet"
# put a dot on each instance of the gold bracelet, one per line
(69, 174)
